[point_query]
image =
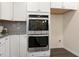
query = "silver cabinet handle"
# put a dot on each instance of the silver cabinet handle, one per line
(0, 42)
(0, 54)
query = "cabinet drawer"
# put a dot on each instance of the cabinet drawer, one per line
(38, 54)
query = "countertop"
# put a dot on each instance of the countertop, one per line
(4, 35)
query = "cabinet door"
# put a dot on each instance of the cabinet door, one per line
(56, 4)
(2, 47)
(23, 45)
(44, 6)
(70, 5)
(7, 46)
(14, 45)
(19, 11)
(6, 10)
(33, 6)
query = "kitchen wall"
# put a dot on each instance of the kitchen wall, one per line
(71, 31)
(71, 34)
(56, 31)
(14, 27)
(65, 27)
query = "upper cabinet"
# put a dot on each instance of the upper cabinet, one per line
(70, 5)
(19, 13)
(38, 6)
(32, 6)
(44, 6)
(56, 4)
(13, 11)
(6, 10)
(64, 5)
(16, 11)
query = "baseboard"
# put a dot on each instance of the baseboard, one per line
(71, 51)
(55, 47)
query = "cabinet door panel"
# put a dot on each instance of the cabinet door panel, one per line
(19, 11)
(14, 45)
(2, 47)
(7, 46)
(23, 45)
(56, 4)
(44, 6)
(32, 6)
(2, 41)
(6, 10)
(70, 5)
(2, 51)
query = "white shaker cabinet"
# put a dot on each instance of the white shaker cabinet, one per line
(44, 6)
(4, 47)
(19, 11)
(6, 10)
(7, 47)
(38, 6)
(56, 4)
(70, 5)
(64, 5)
(23, 45)
(32, 6)
(18, 45)
(14, 45)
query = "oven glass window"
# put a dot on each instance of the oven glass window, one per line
(38, 41)
(37, 25)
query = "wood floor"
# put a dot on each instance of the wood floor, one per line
(61, 52)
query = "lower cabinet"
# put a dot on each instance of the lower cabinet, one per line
(7, 46)
(14, 45)
(4, 47)
(18, 45)
(23, 45)
(39, 54)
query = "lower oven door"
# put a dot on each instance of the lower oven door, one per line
(38, 43)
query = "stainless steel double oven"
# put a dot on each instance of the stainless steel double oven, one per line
(38, 31)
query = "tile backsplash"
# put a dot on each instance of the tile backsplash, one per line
(14, 27)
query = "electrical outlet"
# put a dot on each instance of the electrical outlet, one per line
(59, 40)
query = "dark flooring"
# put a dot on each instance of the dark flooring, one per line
(61, 52)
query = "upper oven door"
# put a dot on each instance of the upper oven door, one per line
(38, 25)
